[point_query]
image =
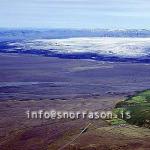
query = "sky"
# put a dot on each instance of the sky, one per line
(108, 14)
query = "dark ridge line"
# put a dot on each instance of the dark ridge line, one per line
(92, 56)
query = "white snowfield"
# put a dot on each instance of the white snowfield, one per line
(122, 47)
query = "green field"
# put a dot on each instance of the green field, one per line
(139, 108)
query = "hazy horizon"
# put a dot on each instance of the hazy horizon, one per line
(52, 28)
(75, 14)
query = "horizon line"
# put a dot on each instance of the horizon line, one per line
(52, 28)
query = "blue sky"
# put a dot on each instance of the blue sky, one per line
(75, 14)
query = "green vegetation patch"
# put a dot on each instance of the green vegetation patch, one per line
(117, 121)
(139, 108)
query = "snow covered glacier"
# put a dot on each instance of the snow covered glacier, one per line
(122, 47)
(95, 47)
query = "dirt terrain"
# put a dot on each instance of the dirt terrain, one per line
(25, 77)
(19, 133)
(34, 82)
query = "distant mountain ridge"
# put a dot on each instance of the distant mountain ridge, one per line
(16, 34)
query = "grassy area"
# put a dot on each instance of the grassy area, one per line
(139, 108)
(117, 121)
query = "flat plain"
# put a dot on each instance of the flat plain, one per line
(36, 82)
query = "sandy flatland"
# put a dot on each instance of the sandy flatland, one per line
(36, 82)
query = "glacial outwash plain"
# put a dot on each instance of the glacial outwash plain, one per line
(74, 70)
